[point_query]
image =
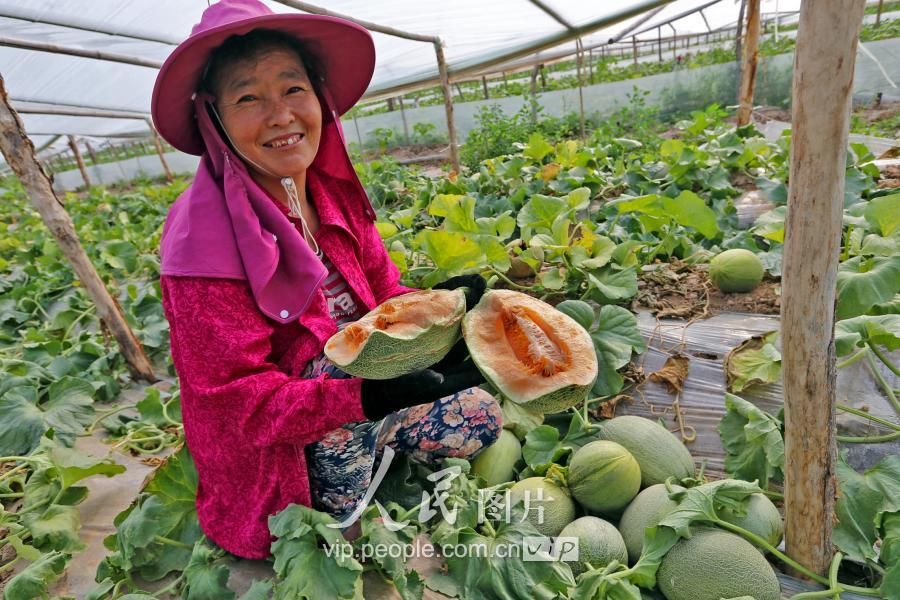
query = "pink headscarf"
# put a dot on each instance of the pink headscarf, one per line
(225, 225)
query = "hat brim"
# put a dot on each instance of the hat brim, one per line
(345, 54)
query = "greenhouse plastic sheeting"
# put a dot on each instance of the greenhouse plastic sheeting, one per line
(706, 343)
(473, 32)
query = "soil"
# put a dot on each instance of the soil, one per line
(431, 168)
(890, 177)
(681, 291)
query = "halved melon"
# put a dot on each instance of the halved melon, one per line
(532, 353)
(406, 333)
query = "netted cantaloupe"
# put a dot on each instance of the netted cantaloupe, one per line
(714, 564)
(547, 506)
(599, 543)
(660, 454)
(604, 477)
(762, 518)
(736, 270)
(406, 333)
(533, 354)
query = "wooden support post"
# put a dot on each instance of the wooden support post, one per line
(579, 60)
(543, 77)
(749, 63)
(591, 65)
(160, 151)
(19, 153)
(878, 16)
(79, 161)
(403, 119)
(634, 49)
(823, 79)
(390, 103)
(448, 104)
(484, 86)
(358, 135)
(534, 101)
(91, 152)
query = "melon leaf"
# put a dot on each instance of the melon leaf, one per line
(756, 360)
(754, 444)
(616, 337)
(33, 581)
(865, 282)
(543, 447)
(702, 503)
(863, 500)
(854, 333)
(884, 213)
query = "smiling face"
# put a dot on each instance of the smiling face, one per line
(270, 111)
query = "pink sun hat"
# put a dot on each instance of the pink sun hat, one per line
(344, 51)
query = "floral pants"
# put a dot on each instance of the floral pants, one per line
(341, 464)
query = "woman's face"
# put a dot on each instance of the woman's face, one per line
(270, 110)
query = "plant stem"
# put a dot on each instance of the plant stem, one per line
(13, 471)
(833, 575)
(864, 414)
(509, 281)
(875, 439)
(884, 358)
(171, 542)
(888, 390)
(103, 415)
(852, 359)
(771, 549)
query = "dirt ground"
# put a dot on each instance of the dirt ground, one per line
(682, 291)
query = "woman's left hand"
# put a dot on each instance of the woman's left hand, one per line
(475, 286)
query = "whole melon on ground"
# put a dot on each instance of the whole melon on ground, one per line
(762, 518)
(646, 510)
(659, 453)
(736, 270)
(404, 334)
(714, 564)
(603, 477)
(549, 507)
(599, 543)
(496, 463)
(533, 354)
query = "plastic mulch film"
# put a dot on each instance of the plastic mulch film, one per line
(706, 343)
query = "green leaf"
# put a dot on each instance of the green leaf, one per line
(34, 580)
(307, 571)
(579, 198)
(519, 419)
(610, 285)
(541, 211)
(602, 584)
(55, 528)
(756, 360)
(386, 230)
(702, 503)
(884, 213)
(259, 590)
(374, 532)
(865, 282)
(582, 312)
(22, 424)
(855, 333)
(753, 442)
(483, 573)
(543, 447)
(552, 279)
(68, 410)
(688, 209)
(657, 543)
(452, 252)
(862, 500)
(770, 225)
(616, 337)
(73, 466)
(458, 212)
(204, 578)
(537, 147)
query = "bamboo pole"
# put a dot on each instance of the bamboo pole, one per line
(80, 162)
(749, 63)
(448, 104)
(19, 153)
(823, 79)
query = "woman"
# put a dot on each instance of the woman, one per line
(270, 250)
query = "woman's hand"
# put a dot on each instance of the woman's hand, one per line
(382, 397)
(475, 286)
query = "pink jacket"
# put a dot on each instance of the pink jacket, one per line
(247, 413)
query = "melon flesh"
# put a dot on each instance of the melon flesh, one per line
(405, 334)
(533, 354)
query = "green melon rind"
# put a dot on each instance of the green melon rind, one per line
(496, 463)
(736, 270)
(659, 453)
(646, 510)
(599, 543)
(384, 356)
(715, 564)
(762, 518)
(604, 477)
(559, 508)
